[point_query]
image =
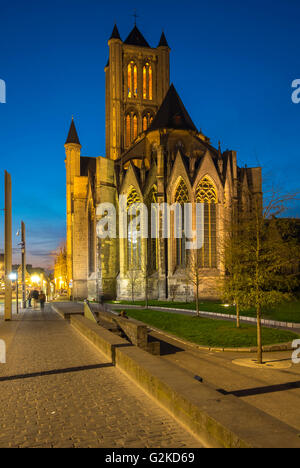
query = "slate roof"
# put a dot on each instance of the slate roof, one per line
(136, 38)
(163, 41)
(115, 34)
(172, 114)
(72, 136)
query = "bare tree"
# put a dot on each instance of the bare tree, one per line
(133, 277)
(195, 273)
(259, 254)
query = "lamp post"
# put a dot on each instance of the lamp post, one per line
(23, 250)
(8, 248)
(14, 277)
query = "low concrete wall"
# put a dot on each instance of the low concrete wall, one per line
(217, 420)
(135, 331)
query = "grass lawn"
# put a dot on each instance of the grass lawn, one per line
(287, 312)
(209, 332)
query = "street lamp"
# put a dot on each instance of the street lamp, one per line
(14, 277)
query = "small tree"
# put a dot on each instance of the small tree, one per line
(133, 277)
(195, 274)
(258, 256)
(234, 284)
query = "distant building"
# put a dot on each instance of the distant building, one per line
(60, 271)
(154, 154)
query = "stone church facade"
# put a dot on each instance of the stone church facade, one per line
(154, 154)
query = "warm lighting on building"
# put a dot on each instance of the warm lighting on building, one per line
(35, 279)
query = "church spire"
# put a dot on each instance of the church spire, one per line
(163, 41)
(73, 136)
(115, 34)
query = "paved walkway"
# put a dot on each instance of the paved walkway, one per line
(57, 390)
(276, 392)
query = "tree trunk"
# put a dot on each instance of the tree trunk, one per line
(259, 340)
(197, 301)
(238, 314)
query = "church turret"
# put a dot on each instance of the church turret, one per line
(163, 41)
(115, 34)
(220, 159)
(73, 149)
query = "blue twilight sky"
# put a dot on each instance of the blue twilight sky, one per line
(232, 63)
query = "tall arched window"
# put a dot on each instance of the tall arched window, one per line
(135, 127)
(181, 197)
(206, 193)
(147, 120)
(134, 240)
(153, 242)
(128, 129)
(132, 78)
(147, 82)
(131, 128)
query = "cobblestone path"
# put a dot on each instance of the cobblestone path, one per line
(57, 390)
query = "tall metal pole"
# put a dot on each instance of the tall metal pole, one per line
(17, 294)
(8, 249)
(23, 246)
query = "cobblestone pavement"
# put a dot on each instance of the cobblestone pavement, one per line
(57, 390)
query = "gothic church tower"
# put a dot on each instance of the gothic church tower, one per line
(137, 80)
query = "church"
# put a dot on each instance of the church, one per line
(154, 154)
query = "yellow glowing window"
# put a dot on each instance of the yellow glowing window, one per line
(147, 82)
(150, 94)
(145, 123)
(128, 130)
(135, 127)
(144, 83)
(129, 75)
(135, 81)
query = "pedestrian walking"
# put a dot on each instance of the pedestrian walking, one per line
(42, 299)
(35, 297)
(29, 298)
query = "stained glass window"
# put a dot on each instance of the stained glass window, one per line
(181, 197)
(134, 240)
(206, 193)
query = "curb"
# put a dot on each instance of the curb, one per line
(219, 421)
(266, 349)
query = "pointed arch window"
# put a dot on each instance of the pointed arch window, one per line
(131, 128)
(147, 82)
(206, 193)
(135, 127)
(128, 130)
(134, 240)
(147, 120)
(181, 197)
(132, 78)
(153, 243)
